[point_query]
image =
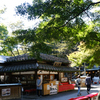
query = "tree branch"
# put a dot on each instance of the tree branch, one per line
(80, 13)
(88, 16)
(12, 53)
(17, 51)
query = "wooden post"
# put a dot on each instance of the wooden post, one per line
(35, 76)
(19, 77)
(49, 76)
(9, 80)
(99, 73)
(4, 77)
(84, 70)
(58, 75)
(70, 75)
(79, 70)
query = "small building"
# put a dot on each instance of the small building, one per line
(24, 69)
(94, 72)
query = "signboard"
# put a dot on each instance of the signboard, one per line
(57, 64)
(57, 82)
(6, 92)
(64, 79)
(53, 89)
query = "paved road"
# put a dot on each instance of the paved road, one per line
(63, 95)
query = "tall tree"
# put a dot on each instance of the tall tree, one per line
(61, 20)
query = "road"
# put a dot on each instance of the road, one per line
(63, 95)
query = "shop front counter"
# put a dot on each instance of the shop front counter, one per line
(53, 87)
(66, 86)
(50, 88)
(10, 91)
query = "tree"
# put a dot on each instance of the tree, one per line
(3, 34)
(81, 56)
(9, 46)
(16, 26)
(61, 20)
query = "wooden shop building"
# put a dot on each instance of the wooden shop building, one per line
(24, 69)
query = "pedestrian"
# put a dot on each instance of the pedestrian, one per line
(88, 83)
(39, 86)
(78, 83)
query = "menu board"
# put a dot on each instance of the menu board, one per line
(53, 89)
(6, 92)
(64, 79)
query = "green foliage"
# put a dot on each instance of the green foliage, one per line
(3, 31)
(16, 26)
(62, 20)
(36, 49)
(3, 36)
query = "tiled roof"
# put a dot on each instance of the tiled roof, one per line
(19, 58)
(31, 67)
(58, 69)
(53, 58)
(45, 57)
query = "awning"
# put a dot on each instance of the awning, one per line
(93, 69)
(32, 67)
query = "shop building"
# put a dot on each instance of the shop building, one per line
(24, 69)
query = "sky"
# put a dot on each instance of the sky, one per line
(10, 15)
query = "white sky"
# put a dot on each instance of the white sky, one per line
(10, 16)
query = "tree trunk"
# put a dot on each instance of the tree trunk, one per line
(12, 53)
(79, 70)
(17, 51)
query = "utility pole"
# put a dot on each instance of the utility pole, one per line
(84, 70)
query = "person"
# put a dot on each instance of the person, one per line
(88, 83)
(39, 86)
(78, 83)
